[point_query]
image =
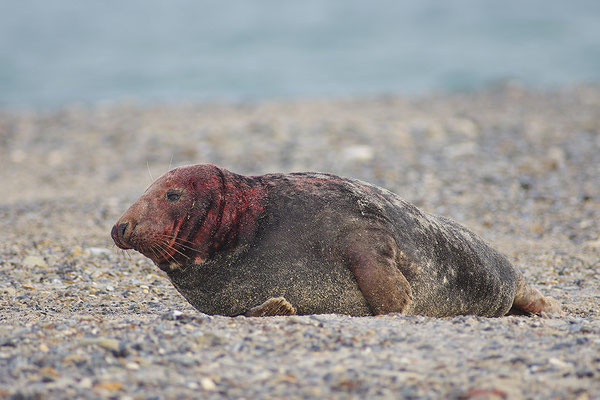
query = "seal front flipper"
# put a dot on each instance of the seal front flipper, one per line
(371, 255)
(272, 307)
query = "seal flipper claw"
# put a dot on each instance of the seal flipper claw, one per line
(272, 307)
(371, 256)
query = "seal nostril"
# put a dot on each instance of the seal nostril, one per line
(118, 232)
(122, 228)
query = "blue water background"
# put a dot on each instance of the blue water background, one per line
(56, 52)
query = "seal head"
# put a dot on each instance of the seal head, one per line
(187, 215)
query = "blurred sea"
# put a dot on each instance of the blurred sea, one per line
(63, 51)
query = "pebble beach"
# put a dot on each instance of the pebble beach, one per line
(80, 318)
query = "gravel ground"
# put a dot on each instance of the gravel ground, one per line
(81, 319)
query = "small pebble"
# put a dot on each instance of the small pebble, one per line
(207, 384)
(34, 261)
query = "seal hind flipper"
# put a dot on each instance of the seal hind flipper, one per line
(529, 300)
(272, 307)
(372, 257)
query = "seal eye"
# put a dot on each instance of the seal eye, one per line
(173, 195)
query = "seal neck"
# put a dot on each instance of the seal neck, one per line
(234, 207)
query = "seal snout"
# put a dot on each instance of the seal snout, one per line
(122, 228)
(120, 233)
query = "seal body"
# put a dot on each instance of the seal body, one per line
(310, 243)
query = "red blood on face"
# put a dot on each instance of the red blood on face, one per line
(189, 213)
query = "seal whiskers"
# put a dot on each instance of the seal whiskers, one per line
(156, 249)
(169, 247)
(181, 242)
